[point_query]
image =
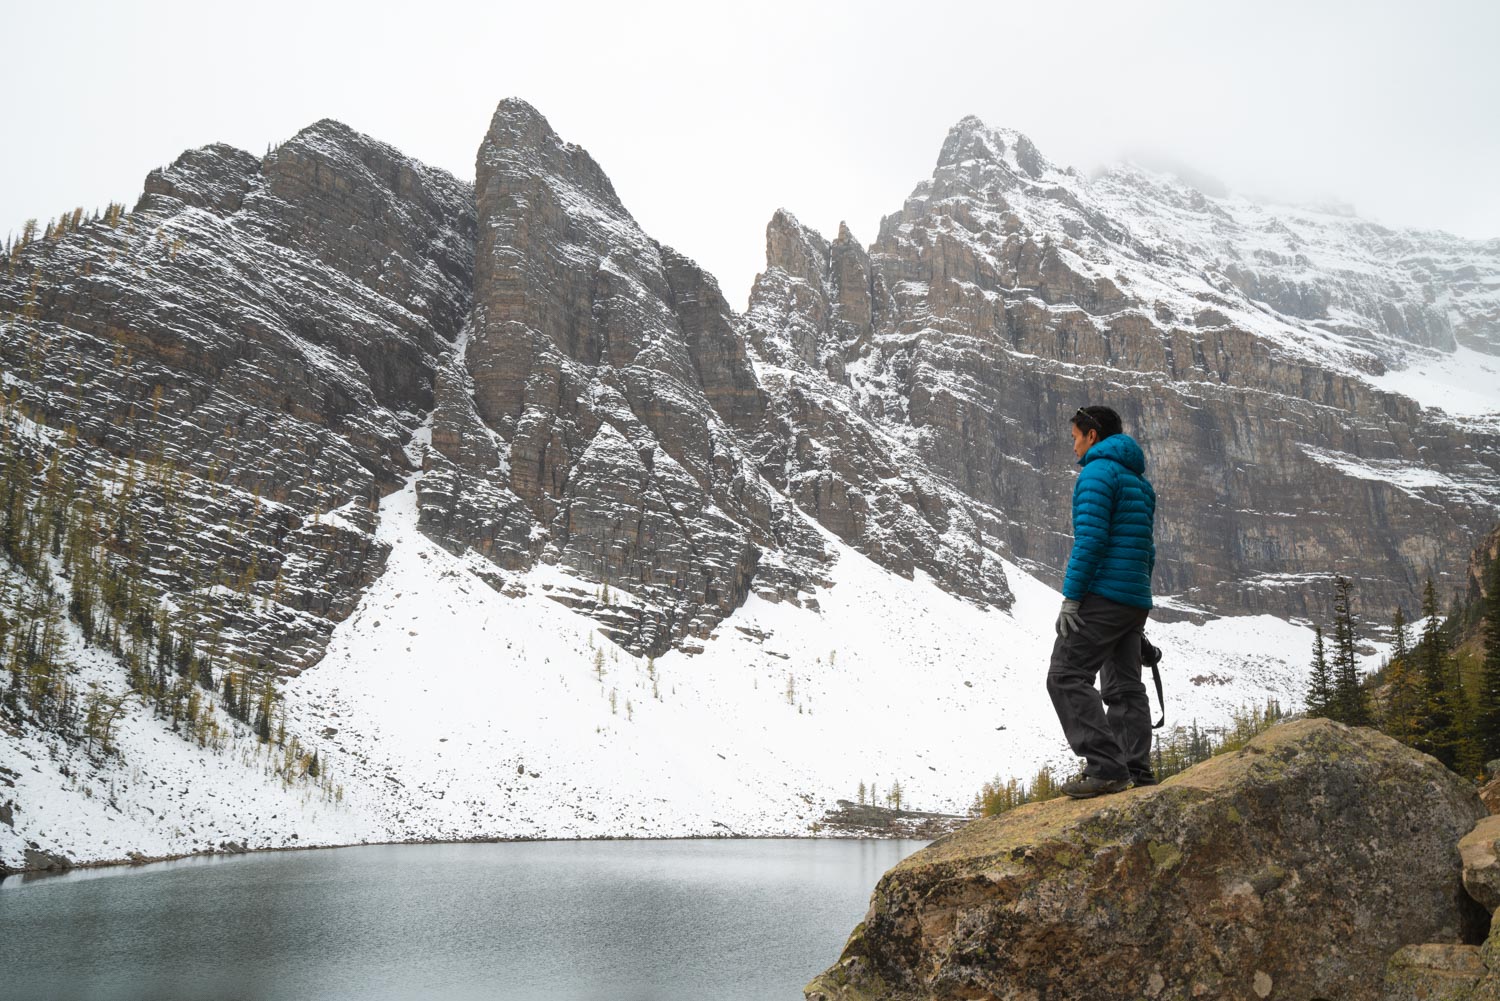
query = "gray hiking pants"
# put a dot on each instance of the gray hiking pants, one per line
(1112, 728)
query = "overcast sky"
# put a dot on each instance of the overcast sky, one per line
(708, 117)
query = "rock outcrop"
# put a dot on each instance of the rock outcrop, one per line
(1481, 862)
(849, 819)
(1489, 794)
(1292, 868)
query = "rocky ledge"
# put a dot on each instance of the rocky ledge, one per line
(1294, 868)
(863, 820)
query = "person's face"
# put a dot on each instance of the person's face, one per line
(1083, 442)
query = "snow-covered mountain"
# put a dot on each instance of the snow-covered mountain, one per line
(494, 502)
(446, 709)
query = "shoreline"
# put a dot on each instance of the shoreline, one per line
(138, 860)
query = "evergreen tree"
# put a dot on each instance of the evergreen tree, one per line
(1439, 738)
(1319, 697)
(263, 713)
(1404, 718)
(1352, 704)
(1487, 706)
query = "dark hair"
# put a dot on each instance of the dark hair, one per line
(1101, 419)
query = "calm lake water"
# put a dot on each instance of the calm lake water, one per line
(733, 920)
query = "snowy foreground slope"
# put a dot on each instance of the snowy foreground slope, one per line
(445, 709)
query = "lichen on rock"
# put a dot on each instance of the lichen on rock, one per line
(1292, 868)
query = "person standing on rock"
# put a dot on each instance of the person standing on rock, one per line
(1106, 598)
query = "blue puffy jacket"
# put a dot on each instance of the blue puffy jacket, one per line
(1114, 518)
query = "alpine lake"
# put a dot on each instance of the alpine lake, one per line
(729, 919)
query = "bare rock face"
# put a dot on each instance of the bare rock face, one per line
(1480, 561)
(812, 313)
(245, 355)
(1292, 868)
(598, 418)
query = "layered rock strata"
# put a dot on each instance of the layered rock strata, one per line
(600, 415)
(245, 355)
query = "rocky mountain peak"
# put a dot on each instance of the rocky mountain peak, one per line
(333, 130)
(796, 249)
(520, 136)
(971, 139)
(606, 414)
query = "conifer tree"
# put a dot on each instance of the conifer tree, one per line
(1352, 704)
(1487, 707)
(1319, 699)
(1439, 737)
(263, 713)
(1407, 697)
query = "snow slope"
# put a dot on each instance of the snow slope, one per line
(447, 709)
(1465, 383)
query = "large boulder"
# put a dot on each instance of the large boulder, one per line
(1292, 868)
(1447, 972)
(1489, 793)
(1439, 973)
(1480, 853)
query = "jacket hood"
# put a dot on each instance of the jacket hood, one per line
(1121, 448)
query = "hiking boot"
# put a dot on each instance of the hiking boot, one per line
(1144, 779)
(1092, 785)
